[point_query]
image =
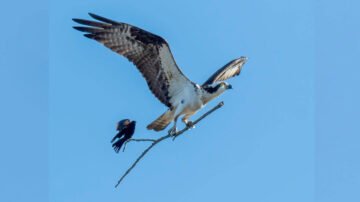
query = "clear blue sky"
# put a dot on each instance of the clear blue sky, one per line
(288, 130)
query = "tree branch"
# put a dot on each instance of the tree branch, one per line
(137, 140)
(155, 141)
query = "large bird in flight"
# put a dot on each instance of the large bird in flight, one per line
(152, 57)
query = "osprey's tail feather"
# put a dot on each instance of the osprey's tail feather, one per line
(162, 122)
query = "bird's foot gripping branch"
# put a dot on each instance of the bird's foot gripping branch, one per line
(156, 141)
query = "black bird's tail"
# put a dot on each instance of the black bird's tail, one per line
(117, 145)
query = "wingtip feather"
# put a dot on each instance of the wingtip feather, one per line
(106, 20)
(76, 20)
(78, 28)
(90, 36)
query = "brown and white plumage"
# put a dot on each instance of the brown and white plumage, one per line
(149, 53)
(152, 57)
(231, 69)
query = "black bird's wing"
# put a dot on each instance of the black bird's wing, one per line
(122, 124)
(118, 135)
(231, 69)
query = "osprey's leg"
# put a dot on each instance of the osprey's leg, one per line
(188, 123)
(173, 130)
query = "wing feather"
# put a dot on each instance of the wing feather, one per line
(149, 53)
(231, 69)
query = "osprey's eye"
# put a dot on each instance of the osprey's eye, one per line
(222, 84)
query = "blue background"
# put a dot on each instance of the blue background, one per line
(287, 131)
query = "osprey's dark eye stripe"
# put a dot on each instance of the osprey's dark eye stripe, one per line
(211, 89)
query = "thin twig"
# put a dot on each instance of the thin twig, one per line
(137, 140)
(163, 138)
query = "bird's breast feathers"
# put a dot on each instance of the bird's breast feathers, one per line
(188, 100)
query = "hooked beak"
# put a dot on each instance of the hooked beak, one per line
(229, 86)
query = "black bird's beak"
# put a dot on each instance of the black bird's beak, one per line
(229, 86)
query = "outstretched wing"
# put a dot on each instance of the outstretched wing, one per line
(150, 54)
(231, 69)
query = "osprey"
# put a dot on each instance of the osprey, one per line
(152, 57)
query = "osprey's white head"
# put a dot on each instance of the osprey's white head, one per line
(213, 90)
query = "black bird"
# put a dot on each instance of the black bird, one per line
(126, 130)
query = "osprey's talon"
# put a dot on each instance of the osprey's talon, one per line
(172, 131)
(190, 124)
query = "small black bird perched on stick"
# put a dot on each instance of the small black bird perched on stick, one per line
(126, 130)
